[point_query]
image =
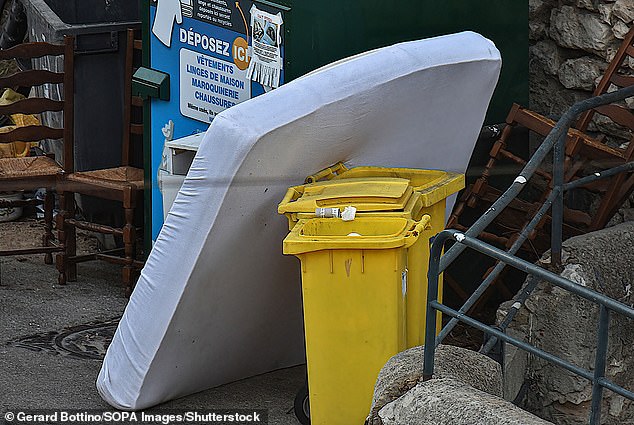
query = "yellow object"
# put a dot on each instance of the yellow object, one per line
(433, 185)
(385, 192)
(355, 284)
(434, 188)
(368, 194)
(15, 149)
(12, 150)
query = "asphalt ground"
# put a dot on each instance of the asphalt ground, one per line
(33, 304)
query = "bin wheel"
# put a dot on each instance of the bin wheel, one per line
(302, 406)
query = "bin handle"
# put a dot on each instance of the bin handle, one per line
(289, 197)
(419, 228)
(327, 173)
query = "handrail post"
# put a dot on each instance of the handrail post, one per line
(432, 296)
(599, 365)
(558, 204)
(475, 296)
(607, 306)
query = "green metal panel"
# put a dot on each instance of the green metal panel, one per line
(320, 32)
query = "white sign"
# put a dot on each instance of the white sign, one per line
(209, 85)
(266, 60)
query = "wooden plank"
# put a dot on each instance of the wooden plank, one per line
(32, 50)
(137, 101)
(520, 161)
(136, 129)
(20, 202)
(11, 183)
(69, 98)
(29, 251)
(120, 261)
(32, 78)
(622, 80)
(94, 227)
(32, 105)
(535, 122)
(31, 133)
(618, 114)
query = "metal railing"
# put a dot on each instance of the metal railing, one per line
(555, 140)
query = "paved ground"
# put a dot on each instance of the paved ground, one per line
(32, 303)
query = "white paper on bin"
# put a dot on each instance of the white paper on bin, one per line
(217, 301)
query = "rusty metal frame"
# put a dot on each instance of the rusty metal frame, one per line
(438, 263)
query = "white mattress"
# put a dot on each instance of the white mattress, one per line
(217, 301)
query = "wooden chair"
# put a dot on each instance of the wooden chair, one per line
(123, 184)
(582, 149)
(34, 172)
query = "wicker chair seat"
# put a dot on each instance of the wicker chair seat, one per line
(113, 178)
(34, 166)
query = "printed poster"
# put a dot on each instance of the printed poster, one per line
(266, 60)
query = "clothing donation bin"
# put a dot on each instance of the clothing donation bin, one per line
(384, 192)
(354, 285)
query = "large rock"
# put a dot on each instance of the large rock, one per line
(581, 73)
(539, 10)
(549, 55)
(605, 11)
(539, 18)
(566, 325)
(620, 29)
(405, 370)
(547, 95)
(537, 30)
(451, 402)
(587, 4)
(575, 29)
(624, 10)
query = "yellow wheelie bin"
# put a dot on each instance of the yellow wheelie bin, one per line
(434, 187)
(384, 192)
(354, 286)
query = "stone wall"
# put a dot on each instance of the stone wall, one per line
(566, 325)
(572, 42)
(571, 45)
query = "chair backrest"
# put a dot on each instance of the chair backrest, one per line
(612, 76)
(133, 105)
(38, 105)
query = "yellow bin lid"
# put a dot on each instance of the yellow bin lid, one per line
(365, 193)
(362, 233)
(433, 185)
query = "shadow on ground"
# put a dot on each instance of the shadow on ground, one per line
(36, 314)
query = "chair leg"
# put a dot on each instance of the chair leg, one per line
(48, 224)
(610, 201)
(71, 245)
(61, 257)
(67, 239)
(129, 239)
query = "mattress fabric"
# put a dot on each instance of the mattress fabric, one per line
(217, 301)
